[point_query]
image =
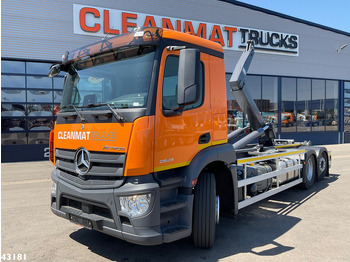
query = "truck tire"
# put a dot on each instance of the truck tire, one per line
(204, 211)
(322, 165)
(309, 172)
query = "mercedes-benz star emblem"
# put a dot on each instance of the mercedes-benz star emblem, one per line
(82, 127)
(82, 161)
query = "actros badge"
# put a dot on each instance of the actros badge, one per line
(82, 161)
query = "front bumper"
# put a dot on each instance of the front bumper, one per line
(99, 209)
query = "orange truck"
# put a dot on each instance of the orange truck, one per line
(140, 145)
(287, 119)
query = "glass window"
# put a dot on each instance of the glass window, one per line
(304, 120)
(35, 138)
(347, 111)
(38, 68)
(170, 84)
(346, 123)
(346, 90)
(40, 124)
(13, 124)
(253, 84)
(13, 110)
(124, 82)
(346, 94)
(39, 110)
(318, 108)
(288, 104)
(347, 106)
(270, 100)
(331, 105)
(19, 138)
(13, 95)
(58, 82)
(13, 81)
(346, 102)
(39, 82)
(12, 67)
(57, 96)
(235, 117)
(39, 96)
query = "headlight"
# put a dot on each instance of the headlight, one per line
(53, 189)
(136, 205)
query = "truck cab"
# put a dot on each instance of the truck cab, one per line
(136, 111)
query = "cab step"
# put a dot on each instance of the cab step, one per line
(173, 233)
(172, 205)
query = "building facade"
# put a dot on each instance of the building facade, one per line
(297, 78)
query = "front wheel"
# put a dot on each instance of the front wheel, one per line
(205, 211)
(309, 172)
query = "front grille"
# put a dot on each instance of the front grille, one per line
(88, 181)
(105, 168)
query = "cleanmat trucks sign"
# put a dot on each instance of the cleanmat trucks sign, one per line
(98, 21)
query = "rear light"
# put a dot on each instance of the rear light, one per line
(51, 149)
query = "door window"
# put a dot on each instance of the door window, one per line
(170, 85)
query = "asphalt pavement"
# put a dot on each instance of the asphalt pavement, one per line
(295, 225)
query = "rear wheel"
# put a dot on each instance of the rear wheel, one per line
(322, 166)
(205, 211)
(309, 172)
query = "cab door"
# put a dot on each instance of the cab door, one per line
(178, 138)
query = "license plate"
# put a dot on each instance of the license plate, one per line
(80, 221)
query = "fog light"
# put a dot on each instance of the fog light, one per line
(53, 189)
(136, 205)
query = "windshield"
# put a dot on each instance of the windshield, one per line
(120, 78)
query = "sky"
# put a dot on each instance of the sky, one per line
(331, 13)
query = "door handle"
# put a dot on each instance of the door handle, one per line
(204, 138)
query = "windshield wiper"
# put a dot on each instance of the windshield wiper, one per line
(117, 115)
(83, 119)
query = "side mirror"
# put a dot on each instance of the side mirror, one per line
(54, 70)
(188, 89)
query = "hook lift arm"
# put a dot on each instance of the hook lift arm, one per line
(264, 132)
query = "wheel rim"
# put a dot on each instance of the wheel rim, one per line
(322, 164)
(310, 169)
(217, 209)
